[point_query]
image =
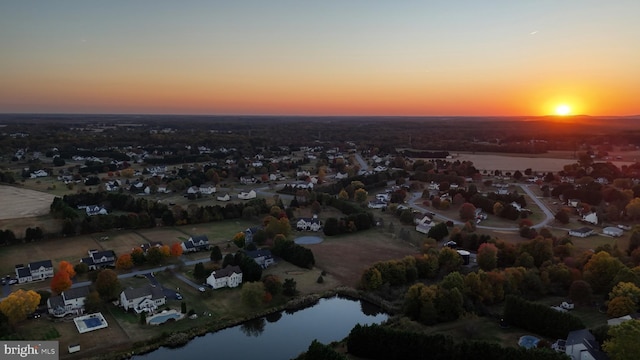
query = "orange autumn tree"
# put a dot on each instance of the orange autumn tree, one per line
(165, 251)
(66, 266)
(176, 249)
(60, 282)
(124, 262)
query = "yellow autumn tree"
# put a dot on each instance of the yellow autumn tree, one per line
(19, 304)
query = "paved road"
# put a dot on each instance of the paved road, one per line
(363, 164)
(414, 202)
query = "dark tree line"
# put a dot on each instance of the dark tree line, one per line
(539, 318)
(378, 342)
(294, 253)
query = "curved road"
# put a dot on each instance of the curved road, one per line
(549, 217)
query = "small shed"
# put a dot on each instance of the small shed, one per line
(74, 348)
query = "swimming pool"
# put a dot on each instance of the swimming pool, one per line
(163, 317)
(528, 341)
(308, 240)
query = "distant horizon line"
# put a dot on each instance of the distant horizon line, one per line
(321, 116)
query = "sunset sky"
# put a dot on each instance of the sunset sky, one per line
(350, 57)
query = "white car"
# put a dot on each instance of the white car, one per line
(201, 289)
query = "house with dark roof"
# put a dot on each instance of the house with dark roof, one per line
(196, 243)
(34, 271)
(149, 245)
(582, 345)
(68, 302)
(147, 298)
(262, 257)
(249, 233)
(309, 224)
(582, 232)
(99, 259)
(230, 276)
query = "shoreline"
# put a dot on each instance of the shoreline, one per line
(181, 338)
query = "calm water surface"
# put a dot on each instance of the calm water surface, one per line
(279, 336)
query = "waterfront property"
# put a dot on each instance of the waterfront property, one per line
(164, 316)
(68, 302)
(147, 298)
(230, 276)
(90, 322)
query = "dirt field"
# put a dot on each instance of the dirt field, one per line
(346, 257)
(548, 162)
(21, 203)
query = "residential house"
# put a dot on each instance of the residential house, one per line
(149, 245)
(34, 271)
(207, 189)
(582, 232)
(591, 218)
(424, 225)
(196, 243)
(230, 276)
(193, 190)
(246, 180)
(99, 259)
(147, 298)
(68, 302)
(377, 204)
(39, 173)
(93, 210)
(247, 195)
(573, 202)
(226, 197)
(309, 224)
(262, 257)
(613, 231)
(249, 233)
(581, 344)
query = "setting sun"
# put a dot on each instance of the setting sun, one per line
(563, 110)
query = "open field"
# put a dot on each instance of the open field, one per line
(23, 203)
(346, 257)
(551, 161)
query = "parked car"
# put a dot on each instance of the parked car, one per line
(201, 289)
(567, 305)
(178, 296)
(13, 281)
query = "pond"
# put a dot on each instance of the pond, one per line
(282, 335)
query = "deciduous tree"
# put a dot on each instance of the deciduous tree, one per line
(60, 282)
(620, 306)
(107, 284)
(467, 212)
(176, 249)
(623, 341)
(66, 266)
(252, 293)
(487, 256)
(124, 262)
(19, 304)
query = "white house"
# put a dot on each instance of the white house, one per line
(147, 298)
(309, 224)
(591, 218)
(247, 195)
(230, 276)
(70, 301)
(196, 243)
(39, 173)
(207, 189)
(581, 344)
(613, 231)
(193, 190)
(582, 232)
(226, 197)
(93, 210)
(34, 271)
(99, 259)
